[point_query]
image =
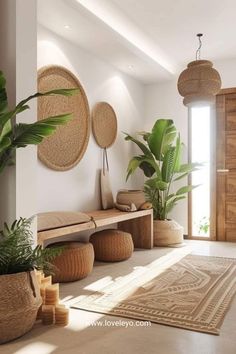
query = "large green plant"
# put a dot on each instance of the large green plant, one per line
(13, 136)
(17, 253)
(161, 163)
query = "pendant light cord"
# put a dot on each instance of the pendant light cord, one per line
(198, 52)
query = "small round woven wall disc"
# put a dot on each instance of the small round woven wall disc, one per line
(104, 124)
(66, 147)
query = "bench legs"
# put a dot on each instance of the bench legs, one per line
(141, 230)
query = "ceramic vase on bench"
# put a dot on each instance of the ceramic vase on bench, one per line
(131, 200)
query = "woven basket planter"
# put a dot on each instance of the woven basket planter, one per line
(76, 261)
(19, 303)
(167, 232)
(112, 245)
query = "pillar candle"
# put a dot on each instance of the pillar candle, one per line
(61, 315)
(48, 314)
(43, 292)
(47, 280)
(52, 294)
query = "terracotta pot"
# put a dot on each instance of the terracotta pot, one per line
(19, 303)
(167, 232)
(128, 197)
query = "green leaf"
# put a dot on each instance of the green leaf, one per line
(172, 203)
(16, 249)
(177, 157)
(181, 176)
(133, 165)
(142, 146)
(186, 189)
(145, 135)
(162, 135)
(147, 168)
(189, 167)
(168, 165)
(6, 117)
(33, 134)
(4, 144)
(148, 165)
(161, 185)
(63, 92)
(151, 183)
(22, 105)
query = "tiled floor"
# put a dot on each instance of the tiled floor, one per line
(81, 337)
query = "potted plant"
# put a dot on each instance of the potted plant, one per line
(160, 162)
(19, 291)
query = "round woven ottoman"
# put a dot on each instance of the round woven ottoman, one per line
(75, 262)
(112, 245)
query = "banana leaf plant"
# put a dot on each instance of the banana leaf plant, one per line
(160, 162)
(19, 135)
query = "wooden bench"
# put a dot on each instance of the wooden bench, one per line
(138, 223)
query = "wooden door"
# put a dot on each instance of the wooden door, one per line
(226, 165)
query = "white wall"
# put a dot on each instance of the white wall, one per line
(18, 36)
(163, 101)
(78, 188)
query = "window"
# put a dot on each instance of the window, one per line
(200, 151)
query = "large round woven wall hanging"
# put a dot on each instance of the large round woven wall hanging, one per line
(66, 147)
(104, 124)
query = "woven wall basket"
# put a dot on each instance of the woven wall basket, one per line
(66, 147)
(104, 124)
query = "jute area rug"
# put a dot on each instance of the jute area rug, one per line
(193, 293)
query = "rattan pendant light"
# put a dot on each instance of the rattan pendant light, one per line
(200, 82)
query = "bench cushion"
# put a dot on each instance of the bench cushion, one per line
(56, 219)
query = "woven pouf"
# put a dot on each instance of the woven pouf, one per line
(112, 245)
(75, 262)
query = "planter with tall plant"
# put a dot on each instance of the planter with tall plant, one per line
(161, 164)
(19, 292)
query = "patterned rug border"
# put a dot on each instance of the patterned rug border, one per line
(224, 307)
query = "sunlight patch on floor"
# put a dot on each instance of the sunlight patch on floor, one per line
(128, 284)
(37, 348)
(79, 322)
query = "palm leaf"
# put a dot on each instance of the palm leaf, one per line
(148, 165)
(142, 146)
(162, 135)
(186, 189)
(172, 203)
(5, 117)
(168, 164)
(189, 167)
(177, 157)
(33, 134)
(4, 144)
